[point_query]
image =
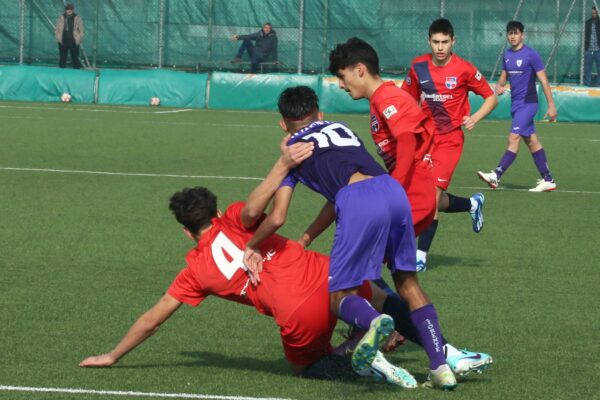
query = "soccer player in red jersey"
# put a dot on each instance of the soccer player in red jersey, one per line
(400, 129)
(441, 82)
(293, 289)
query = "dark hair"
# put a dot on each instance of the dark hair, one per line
(515, 25)
(69, 6)
(594, 8)
(441, 25)
(297, 103)
(352, 52)
(268, 23)
(194, 208)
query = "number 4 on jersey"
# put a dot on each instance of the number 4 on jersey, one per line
(228, 257)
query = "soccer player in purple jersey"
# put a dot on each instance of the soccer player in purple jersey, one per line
(373, 224)
(522, 65)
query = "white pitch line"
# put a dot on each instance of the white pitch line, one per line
(68, 171)
(244, 178)
(268, 127)
(173, 111)
(130, 393)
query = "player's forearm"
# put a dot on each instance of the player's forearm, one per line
(267, 227)
(502, 79)
(406, 146)
(548, 94)
(142, 329)
(487, 107)
(325, 218)
(260, 197)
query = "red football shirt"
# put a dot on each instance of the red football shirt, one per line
(290, 273)
(395, 113)
(444, 91)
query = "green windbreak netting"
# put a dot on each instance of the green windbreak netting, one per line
(195, 34)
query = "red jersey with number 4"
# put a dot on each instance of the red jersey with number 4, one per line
(290, 273)
(444, 91)
(395, 113)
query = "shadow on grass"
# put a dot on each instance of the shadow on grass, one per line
(440, 261)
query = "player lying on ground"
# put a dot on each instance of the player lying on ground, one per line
(521, 66)
(373, 223)
(305, 330)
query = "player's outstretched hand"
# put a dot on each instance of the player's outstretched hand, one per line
(468, 122)
(293, 155)
(253, 261)
(103, 360)
(551, 113)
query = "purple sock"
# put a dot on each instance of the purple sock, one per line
(507, 159)
(425, 319)
(357, 311)
(539, 158)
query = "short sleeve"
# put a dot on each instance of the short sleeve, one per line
(401, 114)
(477, 83)
(536, 61)
(186, 289)
(411, 84)
(291, 181)
(233, 217)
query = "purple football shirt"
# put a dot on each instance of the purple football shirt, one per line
(521, 67)
(338, 154)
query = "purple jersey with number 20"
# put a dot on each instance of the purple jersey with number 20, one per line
(373, 218)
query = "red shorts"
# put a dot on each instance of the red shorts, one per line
(306, 336)
(446, 152)
(420, 191)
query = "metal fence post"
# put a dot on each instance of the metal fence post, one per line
(300, 36)
(582, 57)
(442, 8)
(556, 27)
(161, 27)
(325, 28)
(96, 29)
(22, 33)
(209, 32)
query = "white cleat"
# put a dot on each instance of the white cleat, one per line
(441, 378)
(381, 368)
(490, 178)
(544, 186)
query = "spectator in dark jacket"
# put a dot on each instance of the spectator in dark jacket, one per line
(592, 47)
(69, 34)
(265, 48)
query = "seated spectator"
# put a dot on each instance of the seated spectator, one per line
(265, 48)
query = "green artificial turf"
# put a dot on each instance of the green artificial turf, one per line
(84, 252)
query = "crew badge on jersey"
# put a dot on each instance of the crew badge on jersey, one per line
(451, 82)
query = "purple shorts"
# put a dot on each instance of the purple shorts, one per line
(373, 224)
(522, 118)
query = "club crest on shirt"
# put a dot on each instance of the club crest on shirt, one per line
(408, 80)
(478, 75)
(374, 123)
(388, 112)
(519, 62)
(451, 82)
